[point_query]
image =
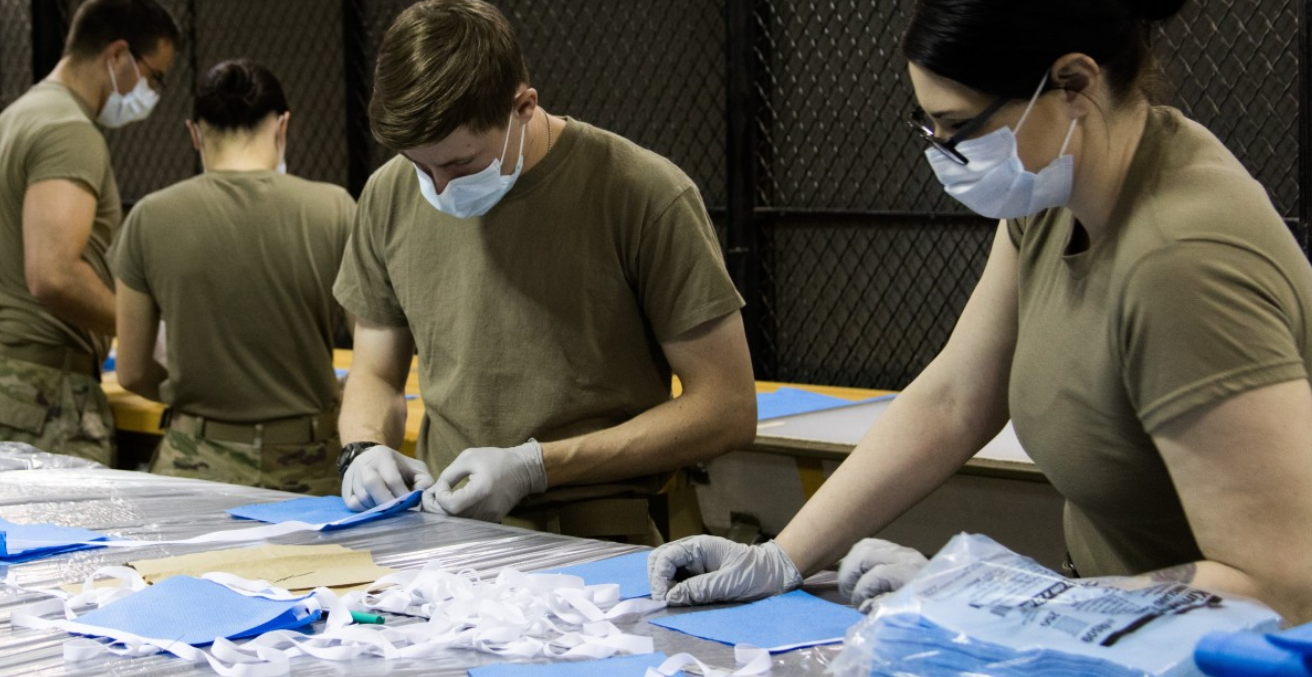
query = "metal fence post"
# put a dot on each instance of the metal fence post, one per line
(355, 33)
(741, 104)
(1305, 127)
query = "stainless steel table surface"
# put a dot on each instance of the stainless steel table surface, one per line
(150, 507)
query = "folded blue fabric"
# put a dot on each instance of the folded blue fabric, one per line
(791, 401)
(630, 571)
(782, 623)
(196, 611)
(1253, 654)
(26, 542)
(624, 666)
(330, 510)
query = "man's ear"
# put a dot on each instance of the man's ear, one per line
(526, 104)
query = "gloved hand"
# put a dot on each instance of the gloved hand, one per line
(380, 474)
(874, 567)
(498, 479)
(721, 571)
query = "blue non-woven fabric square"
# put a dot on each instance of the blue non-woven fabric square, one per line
(196, 611)
(781, 623)
(629, 571)
(330, 510)
(26, 542)
(624, 666)
(792, 401)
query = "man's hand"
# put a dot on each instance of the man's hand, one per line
(381, 474)
(498, 480)
(720, 570)
(874, 567)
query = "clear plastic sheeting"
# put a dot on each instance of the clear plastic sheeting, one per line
(19, 456)
(149, 507)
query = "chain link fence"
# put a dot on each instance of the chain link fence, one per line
(788, 114)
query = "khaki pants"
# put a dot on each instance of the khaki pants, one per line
(55, 410)
(308, 467)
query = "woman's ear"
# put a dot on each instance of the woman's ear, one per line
(1080, 78)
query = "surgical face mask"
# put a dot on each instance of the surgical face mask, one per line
(469, 196)
(121, 109)
(995, 183)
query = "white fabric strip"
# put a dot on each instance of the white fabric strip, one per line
(751, 661)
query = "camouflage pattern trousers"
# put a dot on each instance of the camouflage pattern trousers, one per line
(309, 468)
(55, 410)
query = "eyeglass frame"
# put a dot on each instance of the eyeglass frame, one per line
(151, 72)
(916, 119)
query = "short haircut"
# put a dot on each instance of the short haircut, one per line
(143, 23)
(238, 95)
(444, 64)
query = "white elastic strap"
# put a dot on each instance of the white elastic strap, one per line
(751, 661)
(1069, 133)
(1033, 100)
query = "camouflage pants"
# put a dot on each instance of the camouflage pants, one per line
(55, 411)
(309, 468)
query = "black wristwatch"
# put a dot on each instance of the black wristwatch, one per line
(348, 454)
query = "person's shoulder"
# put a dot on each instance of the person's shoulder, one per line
(50, 107)
(312, 190)
(626, 161)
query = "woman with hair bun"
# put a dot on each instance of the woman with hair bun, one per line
(239, 263)
(1145, 319)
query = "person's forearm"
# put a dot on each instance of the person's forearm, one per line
(147, 382)
(911, 450)
(1292, 600)
(688, 429)
(372, 411)
(80, 297)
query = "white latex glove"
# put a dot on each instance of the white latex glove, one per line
(380, 474)
(498, 480)
(874, 567)
(720, 570)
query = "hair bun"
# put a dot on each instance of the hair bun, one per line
(1153, 10)
(234, 82)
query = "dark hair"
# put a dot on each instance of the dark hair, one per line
(143, 23)
(443, 64)
(1003, 47)
(238, 94)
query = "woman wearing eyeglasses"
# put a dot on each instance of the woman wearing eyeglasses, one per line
(1145, 318)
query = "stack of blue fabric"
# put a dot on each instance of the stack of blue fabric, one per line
(1253, 654)
(26, 542)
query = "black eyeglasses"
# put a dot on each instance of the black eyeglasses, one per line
(918, 121)
(151, 72)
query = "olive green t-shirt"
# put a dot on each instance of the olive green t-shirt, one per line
(544, 317)
(241, 265)
(1197, 292)
(49, 133)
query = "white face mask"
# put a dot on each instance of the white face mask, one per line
(995, 183)
(121, 109)
(469, 196)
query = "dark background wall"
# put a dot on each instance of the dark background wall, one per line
(788, 114)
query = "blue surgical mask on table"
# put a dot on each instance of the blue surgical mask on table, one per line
(469, 196)
(122, 109)
(995, 183)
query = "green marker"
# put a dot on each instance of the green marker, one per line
(367, 619)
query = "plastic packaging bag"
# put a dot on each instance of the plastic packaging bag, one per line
(980, 610)
(20, 456)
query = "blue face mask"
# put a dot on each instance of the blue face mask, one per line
(995, 183)
(469, 196)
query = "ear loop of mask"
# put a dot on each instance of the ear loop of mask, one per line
(1035, 99)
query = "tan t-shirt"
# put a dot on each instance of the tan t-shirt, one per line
(1196, 293)
(542, 318)
(49, 133)
(241, 265)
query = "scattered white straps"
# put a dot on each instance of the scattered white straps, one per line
(751, 661)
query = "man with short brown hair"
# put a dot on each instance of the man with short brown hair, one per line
(552, 275)
(59, 208)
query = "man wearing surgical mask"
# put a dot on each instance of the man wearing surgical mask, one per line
(551, 276)
(59, 209)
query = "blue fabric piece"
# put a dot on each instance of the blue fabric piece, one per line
(624, 666)
(329, 510)
(1252, 654)
(791, 401)
(26, 542)
(782, 623)
(196, 611)
(630, 571)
